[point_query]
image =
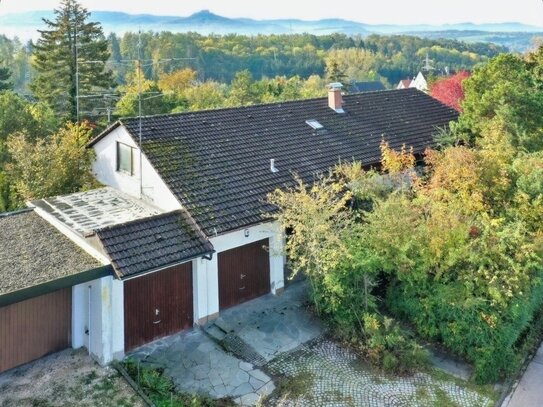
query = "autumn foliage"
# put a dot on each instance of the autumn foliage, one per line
(449, 90)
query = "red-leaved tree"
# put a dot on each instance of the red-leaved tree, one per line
(449, 90)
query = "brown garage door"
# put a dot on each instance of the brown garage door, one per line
(244, 273)
(33, 328)
(157, 305)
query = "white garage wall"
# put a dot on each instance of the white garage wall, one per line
(105, 171)
(103, 335)
(206, 272)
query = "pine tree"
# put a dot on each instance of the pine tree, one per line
(335, 74)
(70, 37)
(5, 84)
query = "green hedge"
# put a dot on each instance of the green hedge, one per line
(488, 337)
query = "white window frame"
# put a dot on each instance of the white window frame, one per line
(119, 168)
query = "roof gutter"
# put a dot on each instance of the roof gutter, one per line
(54, 285)
(207, 256)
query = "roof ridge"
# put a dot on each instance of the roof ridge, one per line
(222, 109)
(121, 121)
(133, 221)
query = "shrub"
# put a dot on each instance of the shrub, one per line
(387, 346)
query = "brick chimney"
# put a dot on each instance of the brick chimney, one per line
(335, 100)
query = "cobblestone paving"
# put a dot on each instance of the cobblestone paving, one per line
(337, 378)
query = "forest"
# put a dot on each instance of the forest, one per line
(218, 58)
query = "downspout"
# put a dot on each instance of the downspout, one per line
(89, 322)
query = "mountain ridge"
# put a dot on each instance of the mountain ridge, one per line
(206, 18)
(25, 25)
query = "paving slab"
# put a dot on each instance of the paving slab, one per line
(274, 324)
(197, 364)
(529, 391)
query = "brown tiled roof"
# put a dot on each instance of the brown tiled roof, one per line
(217, 162)
(152, 243)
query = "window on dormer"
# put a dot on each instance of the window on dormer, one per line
(125, 158)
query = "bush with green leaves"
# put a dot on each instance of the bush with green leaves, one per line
(390, 347)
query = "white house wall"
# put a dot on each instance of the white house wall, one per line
(101, 330)
(105, 171)
(206, 272)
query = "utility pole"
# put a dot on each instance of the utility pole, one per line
(139, 113)
(427, 66)
(76, 75)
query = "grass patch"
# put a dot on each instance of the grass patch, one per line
(89, 377)
(293, 387)
(443, 399)
(161, 390)
(486, 390)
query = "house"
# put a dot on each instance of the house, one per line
(404, 84)
(182, 229)
(418, 82)
(370, 86)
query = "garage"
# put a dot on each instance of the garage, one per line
(244, 273)
(157, 305)
(35, 327)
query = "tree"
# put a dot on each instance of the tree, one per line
(313, 87)
(334, 73)
(177, 81)
(242, 90)
(59, 164)
(207, 95)
(5, 76)
(19, 115)
(153, 101)
(505, 87)
(355, 63)
(449, 91)
(70, 45)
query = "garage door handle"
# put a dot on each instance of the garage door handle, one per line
(157, 322)
(242, 288)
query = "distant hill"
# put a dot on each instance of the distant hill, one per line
(25, 26)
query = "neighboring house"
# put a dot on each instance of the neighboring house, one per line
(418, 82)
(357, 87)
(184, 227)
(404, 84)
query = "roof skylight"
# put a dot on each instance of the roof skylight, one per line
(314, 124)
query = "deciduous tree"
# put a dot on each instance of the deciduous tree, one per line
(59, 164)
(449, 91)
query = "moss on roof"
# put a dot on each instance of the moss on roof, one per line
(33, 252)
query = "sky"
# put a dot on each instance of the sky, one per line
(372, 12)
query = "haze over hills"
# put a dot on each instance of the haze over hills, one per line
(518, 35)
